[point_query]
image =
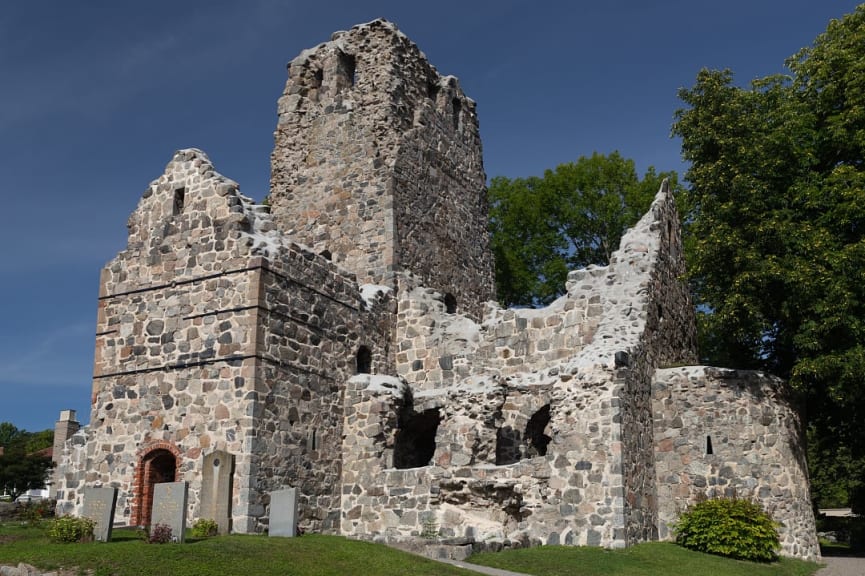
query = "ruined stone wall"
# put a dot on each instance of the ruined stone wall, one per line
(458, 492)
(377, 160)
(438, 349)
(668, 337)
(731, 433)
(563, 391)
(471, 487)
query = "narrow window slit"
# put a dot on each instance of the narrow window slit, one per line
(179, 198)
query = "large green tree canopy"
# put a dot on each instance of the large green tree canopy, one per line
(571, 217)
(774, 225)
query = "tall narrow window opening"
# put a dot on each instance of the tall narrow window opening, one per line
(347, 66)
(450, 303)
(364, 360)
(457, 108)
(709, 450)
(432, 90)
(179, 198)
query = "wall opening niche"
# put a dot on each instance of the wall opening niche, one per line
(415, 443)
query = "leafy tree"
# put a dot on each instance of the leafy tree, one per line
(571, 217)
(19, 471)
(774, 229)
(8, 433)
(21, 465)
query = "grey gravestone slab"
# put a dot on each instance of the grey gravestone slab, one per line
(216, 488)
(99, 504)
(169, 508)
(283, 512)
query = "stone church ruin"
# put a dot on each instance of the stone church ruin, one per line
(343, 341)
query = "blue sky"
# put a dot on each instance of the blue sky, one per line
(96, 96)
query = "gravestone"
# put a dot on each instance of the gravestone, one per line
(99, 504)
(283, 512)
(216, 489)
(169, 508)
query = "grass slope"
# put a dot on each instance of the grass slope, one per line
(127, 555)
(316, 555)
(650, 559)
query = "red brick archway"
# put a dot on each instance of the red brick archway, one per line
(159, 462)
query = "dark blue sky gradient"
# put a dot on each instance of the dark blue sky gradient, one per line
(96, 96)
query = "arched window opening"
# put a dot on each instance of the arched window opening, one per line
(536, 440)
(179, 198)
(364, 360)
(416, 439)
(450, 303)
(155, 467)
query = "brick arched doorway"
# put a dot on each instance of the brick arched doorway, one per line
(155, 466)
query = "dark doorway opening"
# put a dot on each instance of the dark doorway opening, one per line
(156, 466)
(536, 440)
(416, 439)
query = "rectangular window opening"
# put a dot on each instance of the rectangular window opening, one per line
(179, 197)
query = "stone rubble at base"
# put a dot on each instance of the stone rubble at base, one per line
(420, 408)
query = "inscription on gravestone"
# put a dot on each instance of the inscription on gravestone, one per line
(99, 504)
(216, 489)
(169, 507)
(283, 512)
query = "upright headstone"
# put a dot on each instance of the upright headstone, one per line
(99, 504)
(169, 508)
(216, 488)
(283, 512)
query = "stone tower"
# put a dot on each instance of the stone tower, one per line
(377, 162)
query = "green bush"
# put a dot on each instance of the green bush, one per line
(69, 529)
(729, 527)
(204, 528)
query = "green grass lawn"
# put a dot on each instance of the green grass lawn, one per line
(317, 555)
(651, 559)
(126, 554)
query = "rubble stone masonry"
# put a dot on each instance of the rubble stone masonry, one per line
(342, 340)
